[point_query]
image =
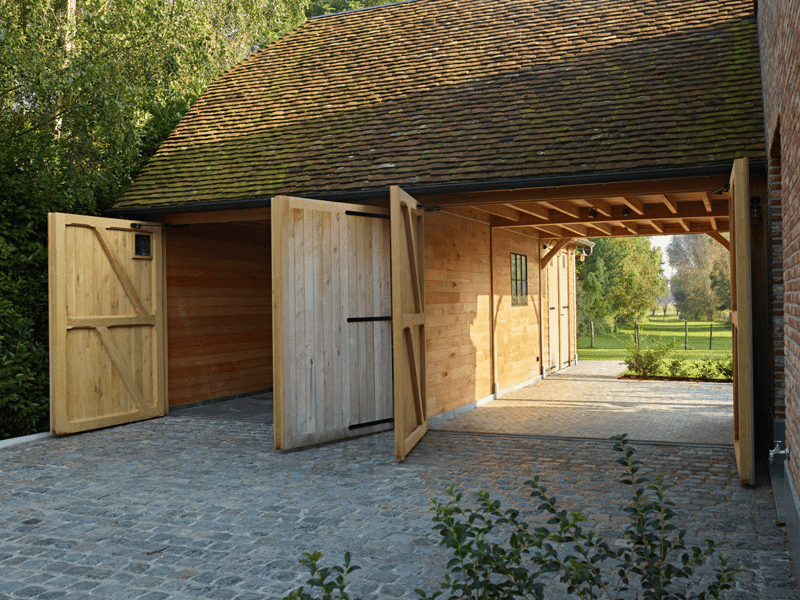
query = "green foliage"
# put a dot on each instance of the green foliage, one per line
(725, 366)
(677, 367)
(621, 280)
(23, 379)
(646, 359)
(330, 582)
(497, 554)
(701, 285)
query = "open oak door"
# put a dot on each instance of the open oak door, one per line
(408, 322)
(332, 340)
(107, 322)
(741, 321)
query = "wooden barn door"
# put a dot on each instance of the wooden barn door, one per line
(553, 331)
(332, 340)
(563, 304)
(741, 319)
(408, 322)
(107, 320)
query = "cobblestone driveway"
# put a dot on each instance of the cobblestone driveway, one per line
(589, 401)
(181, 508)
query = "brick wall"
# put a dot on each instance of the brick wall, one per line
(775, 265)
(779, 22)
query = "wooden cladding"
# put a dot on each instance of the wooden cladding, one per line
(106, 324)
(331, 377)
(219, 310)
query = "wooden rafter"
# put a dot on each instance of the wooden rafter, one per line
(656, 226)
(656, 212)
(553, 251)
(532, 208)
(714, 225)
(552, 231)
(634, 204)
(632, 227)
(568, 208)
(707, 201)
(671, 203)
(580, 230)
(578, 192)
(603, 207)
(717, 236)
(685, 225)
(606, 228)
(500, 210)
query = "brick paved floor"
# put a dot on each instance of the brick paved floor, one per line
(182, 508)
(589, 401)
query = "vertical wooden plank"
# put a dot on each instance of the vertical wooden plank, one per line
(326, 297)
(291, 392)
(740, 235)
(344, 308)
(336, 320)
(319, 324)
(296, 271)
(57, 311)
(278, 212)
(363, 368)
(308, 259)
(161, 383)
(354, 329)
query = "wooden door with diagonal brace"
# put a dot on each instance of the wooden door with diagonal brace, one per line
(107, 322)
(408, 322)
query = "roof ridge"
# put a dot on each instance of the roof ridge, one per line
(362, 9)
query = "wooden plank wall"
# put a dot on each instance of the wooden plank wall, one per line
(573, 315)
(219, 320)
(516, 327)
(458, 311)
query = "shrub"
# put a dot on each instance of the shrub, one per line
(707, 369)
(653, 560)
(646, 360)
(677, 367)
(23, 379)
(725, 367)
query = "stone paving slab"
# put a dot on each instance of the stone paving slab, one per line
(589, 401)
(180, 508)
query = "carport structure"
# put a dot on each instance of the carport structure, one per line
(335, 215)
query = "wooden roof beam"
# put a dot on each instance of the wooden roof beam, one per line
(634, 204)
(656, 212)
(632, 227)
(656, 226)
(671, 203)
(552, 231)
(714, 225)
(500, 210)
(577, 229)
(603, 207)
(718, 236)
(568, 208)
(579, 192)
(707, 199)
(685, 225)
(532, 208)
(553, 251)
(606, 228)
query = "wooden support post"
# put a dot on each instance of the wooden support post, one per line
(710, 334)
(686, 335)
(591, 345)
(636, 331)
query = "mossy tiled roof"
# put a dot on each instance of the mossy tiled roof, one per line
(444, 91)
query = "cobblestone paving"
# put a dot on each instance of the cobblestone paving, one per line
(181, 508)
(588, 401)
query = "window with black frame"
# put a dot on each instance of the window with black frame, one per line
(519, 279)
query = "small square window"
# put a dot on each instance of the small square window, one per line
(142, 246)
(519, 279)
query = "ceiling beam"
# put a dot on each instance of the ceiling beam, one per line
(634, 204)
(532, 208)
(568, 208)
(500, 210)
(656, 212)
(579, 192)
(603, 207)
(577, 229)
(714, 223)
(553, 251)
(656, 226)
(671, 203)
(606, 228)
(717, 236)
(707, 199)
(685, 225)
(632, 227)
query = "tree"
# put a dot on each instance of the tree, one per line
(621, 279)
(701, 285)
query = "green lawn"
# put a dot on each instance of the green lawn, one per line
(612, 347)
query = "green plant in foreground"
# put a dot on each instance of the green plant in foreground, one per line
(329, 588)
(646, 360)
(497, 554)
(677, 367)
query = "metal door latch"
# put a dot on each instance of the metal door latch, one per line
(776, 451)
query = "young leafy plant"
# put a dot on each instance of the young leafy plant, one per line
(498, 554)
(646, 360)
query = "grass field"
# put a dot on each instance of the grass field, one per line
(612, 347)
